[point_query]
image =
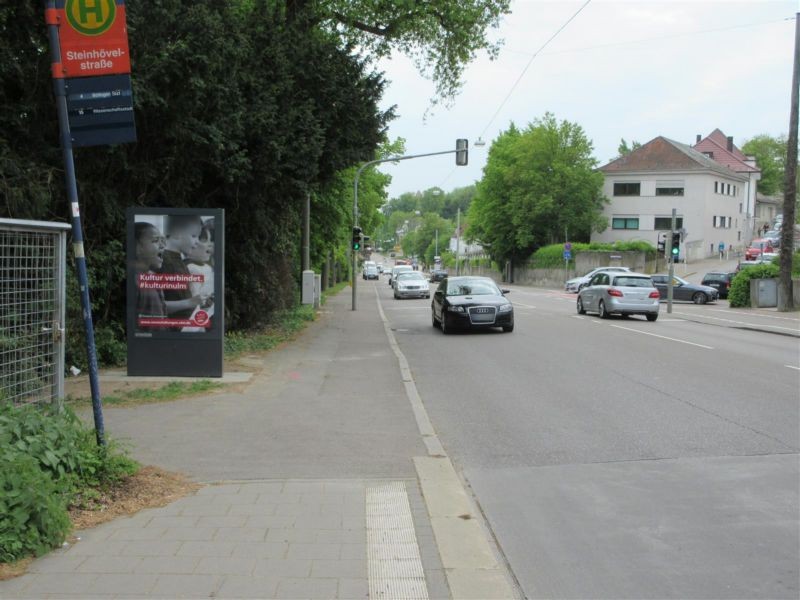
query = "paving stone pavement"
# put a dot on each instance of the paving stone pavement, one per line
(257, 539)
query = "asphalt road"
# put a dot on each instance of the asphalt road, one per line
(621, 458)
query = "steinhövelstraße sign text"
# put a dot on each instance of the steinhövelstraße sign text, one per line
(93, 37)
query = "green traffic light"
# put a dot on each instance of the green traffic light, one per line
(674, 250)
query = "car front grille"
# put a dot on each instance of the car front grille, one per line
(482, 314)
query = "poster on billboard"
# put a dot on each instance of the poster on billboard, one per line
(175, 292)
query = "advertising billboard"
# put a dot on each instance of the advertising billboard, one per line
(175, 292)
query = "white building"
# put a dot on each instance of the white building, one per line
(648, 183)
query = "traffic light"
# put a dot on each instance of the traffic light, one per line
(356, 238)
(462, 152)
(676, 246)
(662, 244)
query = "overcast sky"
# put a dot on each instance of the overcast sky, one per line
(632, 70)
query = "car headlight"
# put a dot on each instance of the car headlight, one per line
(458, 309)
(505, 308)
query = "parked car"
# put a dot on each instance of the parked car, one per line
(371, 273)
(398, 269)
(756, 247)
(683, 290)
(411, 285)
(719, 280)
(773, 237)
(471, 302)
(623, 293)
(380, 268)
(437, 275)
(576, 284)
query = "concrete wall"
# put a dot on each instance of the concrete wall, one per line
(555, 278)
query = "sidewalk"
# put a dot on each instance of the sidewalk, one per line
(324, 479)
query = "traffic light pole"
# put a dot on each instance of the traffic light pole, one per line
(353, 276)
(671, 261)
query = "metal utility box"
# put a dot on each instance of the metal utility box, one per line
(763, 293)
(307, 295)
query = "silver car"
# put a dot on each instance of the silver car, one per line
(620, 293)
(411, 285)
(576, 284)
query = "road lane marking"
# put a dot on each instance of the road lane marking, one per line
(663, 337)
(745, 323)
(523, 305)
(792, 367)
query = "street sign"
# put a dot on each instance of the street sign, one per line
(100, 110)
(567, 254)
(93, 37)
(567, 246)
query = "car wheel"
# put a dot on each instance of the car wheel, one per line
(434, 322)
(443, 324)
(699, 298)
(652, 317)
(508, 328)
(601, 310)
(396, 296)
(581, 310)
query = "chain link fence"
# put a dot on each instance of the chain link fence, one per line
(32, 299)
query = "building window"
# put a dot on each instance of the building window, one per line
(625, 222)
(665, 223)
(734, 190)
(709, 154)
(739, 237)
(740, 208)
(729, 189)
(627, 189)
(716, 187)
(669, 191)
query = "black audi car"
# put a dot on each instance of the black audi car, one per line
(471, 302)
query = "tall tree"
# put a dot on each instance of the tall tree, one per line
(770, 153)
(624, 149)
(537, 183)
(442, 37)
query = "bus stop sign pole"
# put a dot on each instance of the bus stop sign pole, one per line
(59, 89)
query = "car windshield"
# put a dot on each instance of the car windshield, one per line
(472, 287)
(402, 269)
(407, 276)
(627, 281)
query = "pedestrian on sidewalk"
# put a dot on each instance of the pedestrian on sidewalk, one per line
(721, 249)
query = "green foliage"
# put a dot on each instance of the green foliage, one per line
(537, 183)
(770, 153)
(33, 516)
(624, 149)
(49, 459)
(552, 256)
(285, 325)
(739, 294)
(440, 37)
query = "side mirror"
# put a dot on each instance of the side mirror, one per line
(504, 292)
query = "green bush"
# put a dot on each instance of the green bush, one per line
(33, 514)
(49, 460)
(739, 294)
(552, 256)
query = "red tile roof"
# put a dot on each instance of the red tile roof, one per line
(717, 144)
(663, 154)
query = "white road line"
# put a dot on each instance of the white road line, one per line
(792, 367)
(792, 329)
(663, 337)
(523, 305)
(576, 317)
